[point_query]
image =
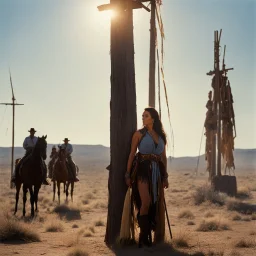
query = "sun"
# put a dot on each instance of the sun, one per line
(107, 15)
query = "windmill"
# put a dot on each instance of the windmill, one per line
(13, 104)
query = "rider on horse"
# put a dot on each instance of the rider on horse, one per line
(69, 149)
(29, 144)
(54, 157)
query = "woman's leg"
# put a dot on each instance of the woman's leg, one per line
(143, 219)
(144, 196)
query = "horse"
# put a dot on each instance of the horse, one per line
(60, 172)
(18, 186)
(31, 175)
(72, 183)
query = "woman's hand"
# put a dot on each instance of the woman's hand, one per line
(165, 183)
(128, 182)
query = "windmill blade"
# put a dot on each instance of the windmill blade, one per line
(11, 85)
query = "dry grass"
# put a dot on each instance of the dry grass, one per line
(181, 241)
(70, 213)
(85, 201)
(206, 193)
(92, 229)
(75, 226)
(254, 216)
(100, 205)
(54, 225)
(244, 192)
(178, 190)
(213, 224)
(13, 230)
(252, 233)
(87, 208)
(215, 253)
(75, 239)
(236, 217)
(88, 234)
(77, 252)
(237, 205)
(234, 253)
(209, 215)
(99, 223)
(187, 214)
(190, 223)
(46, 201)
(89, 196)
(246, 219)
(249, 243)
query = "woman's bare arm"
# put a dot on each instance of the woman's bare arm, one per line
(135, 141)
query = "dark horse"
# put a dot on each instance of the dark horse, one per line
(31, 175)
(60, 172)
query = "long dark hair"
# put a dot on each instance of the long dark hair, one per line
(157, 125)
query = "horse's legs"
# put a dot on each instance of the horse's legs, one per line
(67, 187)
(18, 185)
(64, 185)
(36, 191)
(54, 190)
(25, 189)
(32, 201)
(72, 190)
(58, 185)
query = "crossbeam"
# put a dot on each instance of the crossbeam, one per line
(135, 5)
(10, 104)
(212, 72)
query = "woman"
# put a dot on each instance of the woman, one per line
(147, 175)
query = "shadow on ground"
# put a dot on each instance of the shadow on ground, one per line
(162, 249)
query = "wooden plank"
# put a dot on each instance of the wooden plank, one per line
(135, 5)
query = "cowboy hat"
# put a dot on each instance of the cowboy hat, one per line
(66, 139)
(32, 130)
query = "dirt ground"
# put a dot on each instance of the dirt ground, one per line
(85, 229)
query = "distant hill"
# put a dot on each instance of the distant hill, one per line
(85, 155)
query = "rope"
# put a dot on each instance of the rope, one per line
(158, 77)
(161, 29)
(199, 151)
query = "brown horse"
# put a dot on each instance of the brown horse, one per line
(60, 172)
(31, 175)
(70, 182)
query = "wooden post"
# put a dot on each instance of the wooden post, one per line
(123, 116)
(152, 55)
(217, 104)
(123, 119)
(13, 104)
(218, 91)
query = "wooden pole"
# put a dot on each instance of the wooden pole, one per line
(213, 171)
(13, 120)
(219, 107)
(123, 118)
(152, 55)
(13, 104)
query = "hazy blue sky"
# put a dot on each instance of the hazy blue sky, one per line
(58, 52)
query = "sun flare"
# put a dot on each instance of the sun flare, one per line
(107, 15)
